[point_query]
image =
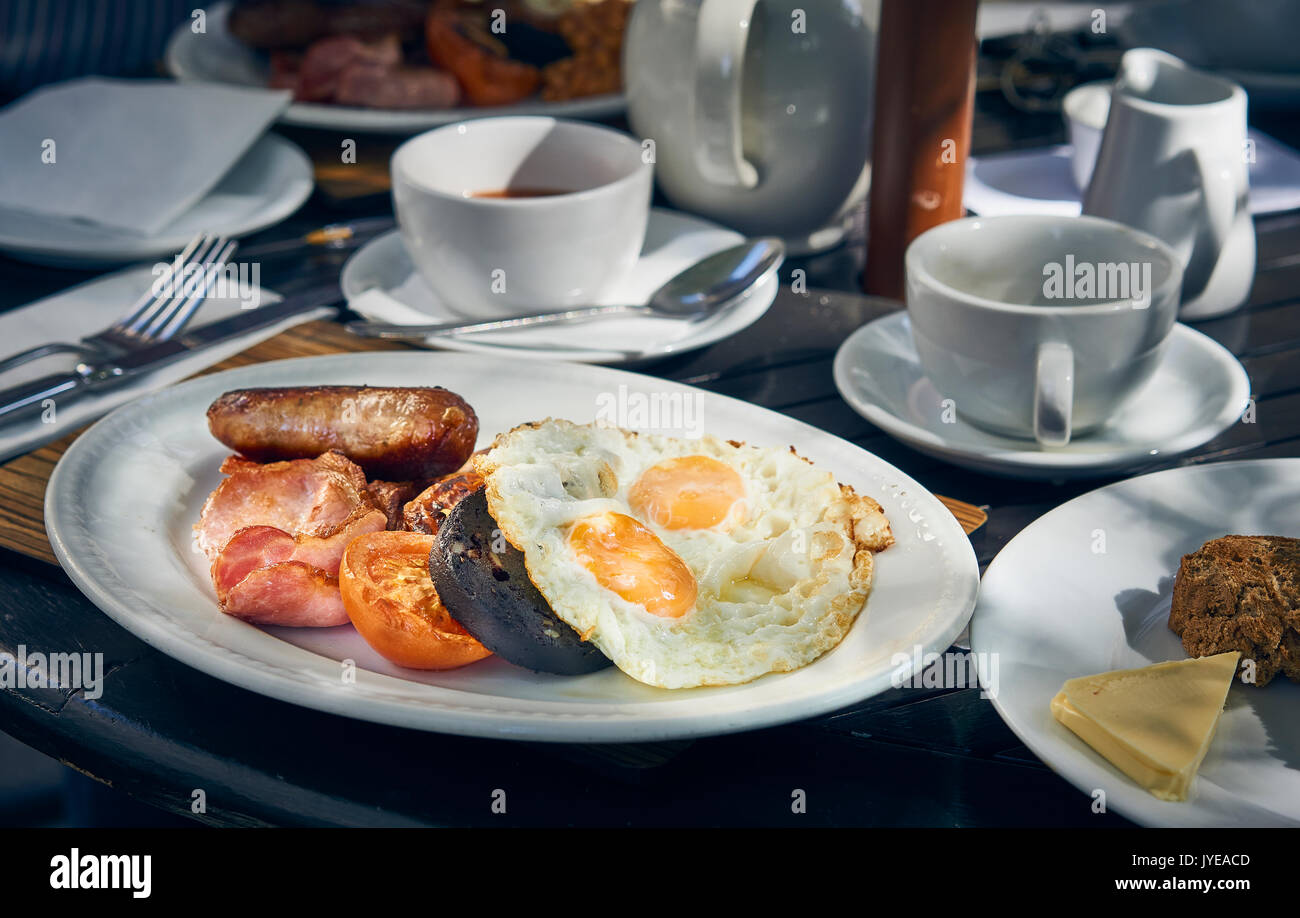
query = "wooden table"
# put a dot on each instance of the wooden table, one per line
(909, 757)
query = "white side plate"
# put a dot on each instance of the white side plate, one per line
(1086, 589)
(267, 185)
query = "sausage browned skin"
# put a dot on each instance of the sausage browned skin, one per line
(395, 434)
(427, 512)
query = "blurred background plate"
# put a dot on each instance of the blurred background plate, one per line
(218, 57)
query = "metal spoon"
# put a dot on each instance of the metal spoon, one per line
(695, 294)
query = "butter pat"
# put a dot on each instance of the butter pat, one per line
(1155, 723)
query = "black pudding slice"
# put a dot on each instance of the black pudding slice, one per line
(490, 594)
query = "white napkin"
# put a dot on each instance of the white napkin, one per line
(1039, 180)
(132, 155)
(71, 314)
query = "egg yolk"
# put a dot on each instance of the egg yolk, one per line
(689, 492)
(627, 558)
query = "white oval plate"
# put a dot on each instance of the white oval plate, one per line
(218, 57)
(381, 283)
(122, 501)
(1052, 608)
(1198, 391)
(268, 184)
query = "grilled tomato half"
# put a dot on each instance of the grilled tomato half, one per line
(394, 605)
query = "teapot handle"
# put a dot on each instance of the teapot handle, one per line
(721, 33)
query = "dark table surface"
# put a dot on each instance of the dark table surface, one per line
(939, 757)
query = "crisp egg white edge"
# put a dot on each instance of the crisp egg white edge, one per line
(824, 618)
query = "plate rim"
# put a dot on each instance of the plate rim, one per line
(763, 295)
(377, 120)
(1140, 814)
(181, 643)
(1037, 463)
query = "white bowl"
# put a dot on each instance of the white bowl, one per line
(497, 257)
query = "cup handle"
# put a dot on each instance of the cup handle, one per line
(1053, 393)
(721, 33)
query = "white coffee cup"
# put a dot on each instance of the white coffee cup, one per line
(1085, 108)
(504, 256)
(1005, 328)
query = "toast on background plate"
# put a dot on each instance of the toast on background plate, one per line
(1242, 593)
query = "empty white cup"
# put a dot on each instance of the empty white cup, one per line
(1009, 327)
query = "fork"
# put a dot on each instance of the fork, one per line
(155, 316)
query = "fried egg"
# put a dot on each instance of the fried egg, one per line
(688, 562)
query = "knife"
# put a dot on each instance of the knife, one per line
(27, 398)
(333, 237)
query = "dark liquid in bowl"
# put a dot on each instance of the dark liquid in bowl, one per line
(520, 193)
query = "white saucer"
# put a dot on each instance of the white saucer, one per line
(380, 283)
(1039, 181)
(1198, 391)
(269, 183)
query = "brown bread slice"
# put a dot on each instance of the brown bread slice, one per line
(1242, 593)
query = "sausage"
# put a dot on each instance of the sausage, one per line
(279, 25)
(273, 25)
(427, 512)
(394, 434)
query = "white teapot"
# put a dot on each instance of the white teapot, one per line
(760, 113)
